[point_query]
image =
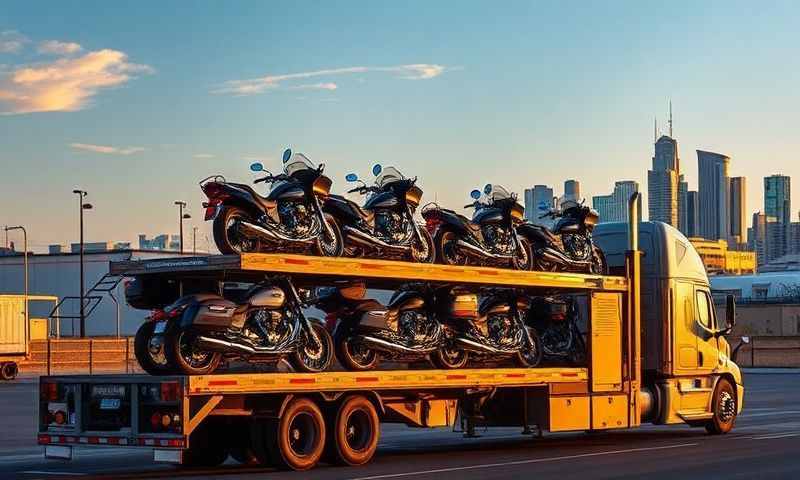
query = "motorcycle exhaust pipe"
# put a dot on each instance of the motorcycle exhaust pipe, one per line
(369, 241)
(479, 347)
(224, 346)
(259, 231)
(555, 256)
(471, 249)
(385, 345)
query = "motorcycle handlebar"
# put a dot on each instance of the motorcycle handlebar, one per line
(354, 190)
(268, 178)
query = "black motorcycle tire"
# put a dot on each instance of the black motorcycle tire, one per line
(577, 355)
(429, 247)
(173, 340)
(349, 360)
(450, 358)
(446, 252)
(335, 246)
(599, 264)
(141, 350)
(526, 359)
(300, 359)
(523, 263)
(222, 237)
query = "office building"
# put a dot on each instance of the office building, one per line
(777, 204)
(738, 209)
(572, 191)
(683, 192)
(614, 207)
(538, 201)
(662, 182)
(691, 214)
(756, 237)
(160, 242)
(714, 195)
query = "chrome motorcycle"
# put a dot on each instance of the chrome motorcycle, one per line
(569, 246)
(193, 335)
(490, 238)
(289, 218)
(556, 320)
(384, 227)
(366, 332)
(492, 329)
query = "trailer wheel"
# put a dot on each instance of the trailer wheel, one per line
(207, 447)
(724, 407)
(296, 440)
(152, 362)
(354, 432)
(8, 371)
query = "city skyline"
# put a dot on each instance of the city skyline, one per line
(150, 112)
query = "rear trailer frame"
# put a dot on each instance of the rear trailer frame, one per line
(248, 412)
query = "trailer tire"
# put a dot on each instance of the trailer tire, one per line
(207, 447)
(8, 371)
(141, 350)
(354, 432)
(724, 407)
(296, 440)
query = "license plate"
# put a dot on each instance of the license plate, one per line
(110, 403)
(160, 327)
(57, 451)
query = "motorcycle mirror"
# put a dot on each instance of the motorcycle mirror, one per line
(287, 154)
(476, 194)
(377, 169)
(256, 167)
(487, 189)
(351, 177)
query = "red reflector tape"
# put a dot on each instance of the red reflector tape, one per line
(44, 439)
(515, 375)
(296, 261)
(222, 383)
(366, 379)
(302, 380)
(456, 377)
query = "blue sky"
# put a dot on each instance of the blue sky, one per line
(142, 100)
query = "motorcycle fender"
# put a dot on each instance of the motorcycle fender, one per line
(533, 234)
(340, 209)
(244, 200)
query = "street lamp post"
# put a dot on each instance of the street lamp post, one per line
(25, 261)
(181, 216)
(81, 207)
(194, 240)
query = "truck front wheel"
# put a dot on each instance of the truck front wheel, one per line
(724, 408)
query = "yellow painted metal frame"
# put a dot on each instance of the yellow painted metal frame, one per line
(404, 271)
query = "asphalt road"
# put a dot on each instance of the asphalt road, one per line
(764, 444)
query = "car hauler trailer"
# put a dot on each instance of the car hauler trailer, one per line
(294, 420)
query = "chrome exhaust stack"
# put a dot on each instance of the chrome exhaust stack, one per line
(385, 345)
(369, 241)
(555, 256)
(471, 249)
(271, 235)
(478, 347)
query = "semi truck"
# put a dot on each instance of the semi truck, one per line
(656, 353)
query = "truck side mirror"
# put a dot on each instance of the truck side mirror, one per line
(730, 310)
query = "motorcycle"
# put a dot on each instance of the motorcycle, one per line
(365, 331)
(192, 335)
(492, 329)
(555, 318)
(490, 238)
(289, 218)
(569, 246)
(384, 226)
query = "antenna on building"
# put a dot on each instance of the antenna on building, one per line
(670, 118)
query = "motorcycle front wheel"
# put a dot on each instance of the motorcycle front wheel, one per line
(314, 356)
(184, 356)
(523, 260)
(450, 357)
(423, 252)
(354, 355)
(330, 244)
(226, 235)
(530, 355)
(447, 249)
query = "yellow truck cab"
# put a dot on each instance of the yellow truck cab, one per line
(687, 373)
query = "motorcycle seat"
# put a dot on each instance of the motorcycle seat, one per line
(366, 215)
(369, 304)
(266, 203)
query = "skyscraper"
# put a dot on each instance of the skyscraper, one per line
(572, 190)
(691, 210)
(738, 209)
(614, 207)
(683, 191)
(756, 237)
(538, 200)
(662, 182)
(714, 195)
(777, 204)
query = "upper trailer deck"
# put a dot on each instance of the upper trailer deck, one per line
(304, 268)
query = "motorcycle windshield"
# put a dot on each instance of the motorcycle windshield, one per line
(388, 175)
(499, 193)
(298, 163)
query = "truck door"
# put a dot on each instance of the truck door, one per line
(705, 327)
(683, 329)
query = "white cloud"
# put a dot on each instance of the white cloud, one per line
(54, 47)
(66, 84)
(203, 155)
(417, 71)
(107, 150)
(12, 41)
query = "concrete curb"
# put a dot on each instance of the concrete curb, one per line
(772, 371)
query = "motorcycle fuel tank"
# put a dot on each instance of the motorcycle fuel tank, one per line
(270, 297)
(286, 191)
(381, 200)
(488, 215)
